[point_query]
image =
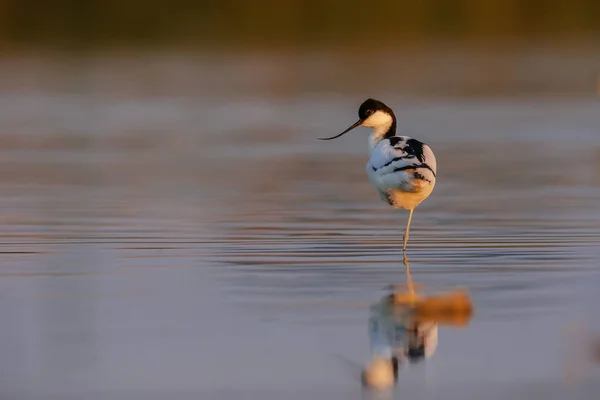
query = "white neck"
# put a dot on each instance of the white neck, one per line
(380, 122)
(376, 136)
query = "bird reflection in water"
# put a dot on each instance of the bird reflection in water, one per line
(403, 329)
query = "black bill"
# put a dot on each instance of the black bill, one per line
(357, 123)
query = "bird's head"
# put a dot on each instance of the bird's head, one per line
(373, 114)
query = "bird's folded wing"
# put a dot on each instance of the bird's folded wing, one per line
(387, 159)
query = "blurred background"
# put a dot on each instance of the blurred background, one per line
(437, 47)
(170, 227)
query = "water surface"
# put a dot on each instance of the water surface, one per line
(177, 247)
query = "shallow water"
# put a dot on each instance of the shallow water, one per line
(183, 248)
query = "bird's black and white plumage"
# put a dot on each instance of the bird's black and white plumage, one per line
(402, 169)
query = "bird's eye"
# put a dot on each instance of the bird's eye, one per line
(369, 112)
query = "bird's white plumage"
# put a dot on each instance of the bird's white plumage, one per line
(403, 170)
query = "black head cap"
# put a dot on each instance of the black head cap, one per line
(369, 106)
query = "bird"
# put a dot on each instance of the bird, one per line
(401, 168)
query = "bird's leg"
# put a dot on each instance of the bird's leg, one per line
(409, 280)
(407, 230)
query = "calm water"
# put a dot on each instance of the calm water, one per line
(160, 247)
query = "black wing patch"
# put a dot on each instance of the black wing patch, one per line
(392, 161)
(404, 168)
(394, 140)
(414, 147)
(418, 175)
